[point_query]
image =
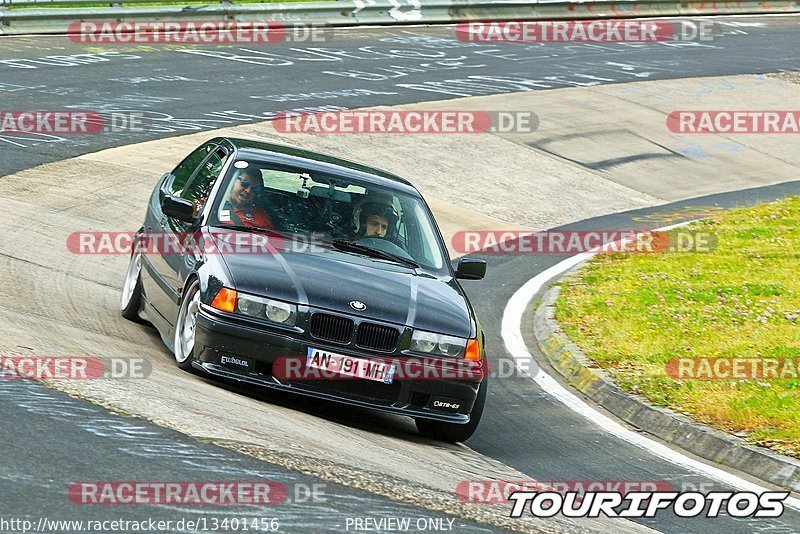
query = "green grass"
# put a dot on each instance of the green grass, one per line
(632, 313)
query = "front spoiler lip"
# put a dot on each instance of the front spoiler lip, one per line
(221, 372)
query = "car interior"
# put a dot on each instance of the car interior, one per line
(329, 207)
(296, 206)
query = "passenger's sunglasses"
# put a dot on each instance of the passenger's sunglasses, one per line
(245, 182)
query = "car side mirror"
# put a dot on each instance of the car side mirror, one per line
(471, 269)
(178, 208)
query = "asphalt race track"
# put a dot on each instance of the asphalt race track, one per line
(63, 439)
(180, 90)
(359, 68)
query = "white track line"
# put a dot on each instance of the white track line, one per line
(511, 330)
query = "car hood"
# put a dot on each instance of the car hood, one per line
(333, 279)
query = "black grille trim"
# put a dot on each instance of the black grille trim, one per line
(332, 328)
(377, 337)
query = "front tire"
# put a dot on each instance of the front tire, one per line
(131, 301)
(453, 432)
(186, 328)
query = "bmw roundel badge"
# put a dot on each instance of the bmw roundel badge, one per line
(358, 305)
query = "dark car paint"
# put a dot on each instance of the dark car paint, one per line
(327, 281)
(331, 280)
(221, 333)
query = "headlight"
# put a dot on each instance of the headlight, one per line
(249, 306)
(279, 312)
(273, 310)
(438, 344)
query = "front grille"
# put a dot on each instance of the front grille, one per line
(355, 388)
(331, 327)
(377, 337)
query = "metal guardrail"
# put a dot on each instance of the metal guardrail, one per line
(386, 12)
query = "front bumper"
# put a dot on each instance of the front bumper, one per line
(437, 396)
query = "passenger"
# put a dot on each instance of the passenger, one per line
(241, 201)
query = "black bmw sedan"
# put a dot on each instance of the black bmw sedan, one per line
(298, 271)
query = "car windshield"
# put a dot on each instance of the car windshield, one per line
(350, 216)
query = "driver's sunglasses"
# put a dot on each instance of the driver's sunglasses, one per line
(245, 182)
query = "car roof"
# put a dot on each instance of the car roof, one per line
(316, 161)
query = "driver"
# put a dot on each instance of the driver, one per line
(375, 220)
(241, 201)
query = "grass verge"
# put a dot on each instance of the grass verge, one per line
(634, 313)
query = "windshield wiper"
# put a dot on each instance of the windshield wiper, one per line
(254, 230)
(372, 252)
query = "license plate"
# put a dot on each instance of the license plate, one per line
(331, 362)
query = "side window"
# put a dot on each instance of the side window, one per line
(187, 167)
(422, 232)
(201, 185)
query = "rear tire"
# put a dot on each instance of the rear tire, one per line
(131, 301)
(453, 432)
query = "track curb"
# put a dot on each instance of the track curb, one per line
(581, 373)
